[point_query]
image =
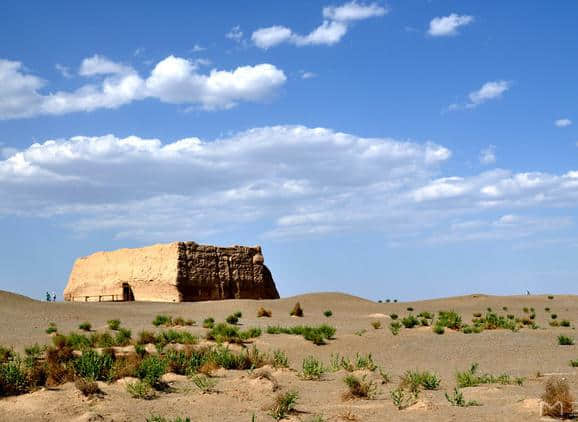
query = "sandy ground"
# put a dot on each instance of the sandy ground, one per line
(526, 353)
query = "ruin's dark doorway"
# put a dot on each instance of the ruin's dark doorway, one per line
(127, 294)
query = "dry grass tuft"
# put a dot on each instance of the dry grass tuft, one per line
(558, 398)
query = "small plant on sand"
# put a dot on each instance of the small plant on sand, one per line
(525, 310)
(283, 405)
(262, 312)
(558, 399)
(457, 399)
(547, 309)
(550, 297)
(385, 377)
(449, 319)
(162, 320)
(554, 316)
(51, 328)
(85, 326)
(574, 363)
(146, 337)
(151, 369)
(409, 309)
(297, 310)
(359, 387)
(477, 314)
(87, 387)
(312, 368)
(564, 323)
(410, 321)
(376, 325)
(232, 319)
(157, 418)
(113, 324)
(471, 378)
(394, 316)
(280, 359)
(328, 313)
(238, 314)
(93, 366)
(565, 340)
(209, 322)
(395, 327)
(6, 354)
(414, 380)
(140, 390)
(204, 383)
(402, 399)
(439, 329)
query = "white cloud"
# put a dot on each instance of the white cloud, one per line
(286, 180)
(308, 75)
(197, 48)
(63, 70)
(173, 80)
(235, 34)
(488, 155)
(489, 91)
(353, 11)
(331, 30)
(448, 25)
(563, 122)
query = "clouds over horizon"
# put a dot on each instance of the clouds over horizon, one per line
(288, 180)
(336, 23)
(173, 80)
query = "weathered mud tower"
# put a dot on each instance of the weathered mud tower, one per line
(174, 272)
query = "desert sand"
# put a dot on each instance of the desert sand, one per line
(530, 353)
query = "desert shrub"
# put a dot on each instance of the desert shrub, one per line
(511, 316)
(471, 378)
(249, 333)
(279, 359)
(564, 323)
(77, 341)
(283, 405)
(385, 377)
(477, 314)
(297, 310)
(146, 337)
(425, 314)
(359, 387)
(449, 319)
(232, 319)
(395, 327)
(574, 363)
(414, 380)
(312, 368)
(409, 309)
(554, 316)
(125, 366)
(547, 309)
(102, 340)
(328, 313)
(394, 316)
(565, 340)
(525, 310)
(457, 399)
(558, 398)
(13, 378)
(113, 324)
(204, 383)
(209, 322)
(122, 337)
(424, 322)
(151, 369)
(365, 362)
(550, 297)
(493, 321)
(504, 308)
(410, 321)
(439, 329)
(175, 337)
(6, 354)
(93, 366)
(262, 312)
(140, 390)
(554, 323)
(51, 328)
(162, 320)
(87, 387)
(317, 335)
(224, 332)
(402, 399)
(238, 314)
(85, 326)
(376, 325)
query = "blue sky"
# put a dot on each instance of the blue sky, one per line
(406, 149)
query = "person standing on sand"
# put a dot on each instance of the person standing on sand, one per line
(47, 297)
(54, 296)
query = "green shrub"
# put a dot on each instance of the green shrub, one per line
(156, 418)
(91, 365)
(232, 319)
(401, 399)
(162, 320)
(395, 327)
(360, 387)
(140, 390)
(6, 354)
(449, 319)
(204, 383)
(410, 321)
(547, 309)
(113, 324)
(425, 314)
(283, 405)
(526, 310)
(471, 378)
(224, 333)
(457, 399)
(394, 316)
(146, 337)
(151, 369)
(238, 314)
(414, 380)
(565, 340)
(77, 341)
(51, 328)
(297, 310)
(280, 359)
(376, 325)
(574, 363)
(328, 313)
(550, 297)
(439, 329)
(209, 322)
(317, 335)
(409, 309)
(249, 333)
(122, 337)
(564, 323)
(87, 387)
(13, 378)
(85, 326)
(477, 315)
(312, 368)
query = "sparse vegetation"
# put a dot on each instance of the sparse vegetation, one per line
(457, 399)
(280, 359)
(317, 335)
(204, 383)
(564, 323)
(414, 380)
(449, 319)
(439, 329)
(262, 312)
(283, 405)
(410, 321)
(113, 324)
(472, 378)
(140, 390)
(376, 325)
(209, 322)
(85, 326)
(554, 316)
(395, 327)
(574, 363)
(550, 297)
(232, 319)
(328, 313)
(359, 387)
(87, 387)
(402, 399)
(312, 368)
(394, 316)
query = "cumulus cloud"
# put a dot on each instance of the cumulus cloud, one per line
(235, 34)
(489, 91)
(335, 25)
(285, 180)
(563, 122)
(172, 80)
(488, 155)
(446, 26)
